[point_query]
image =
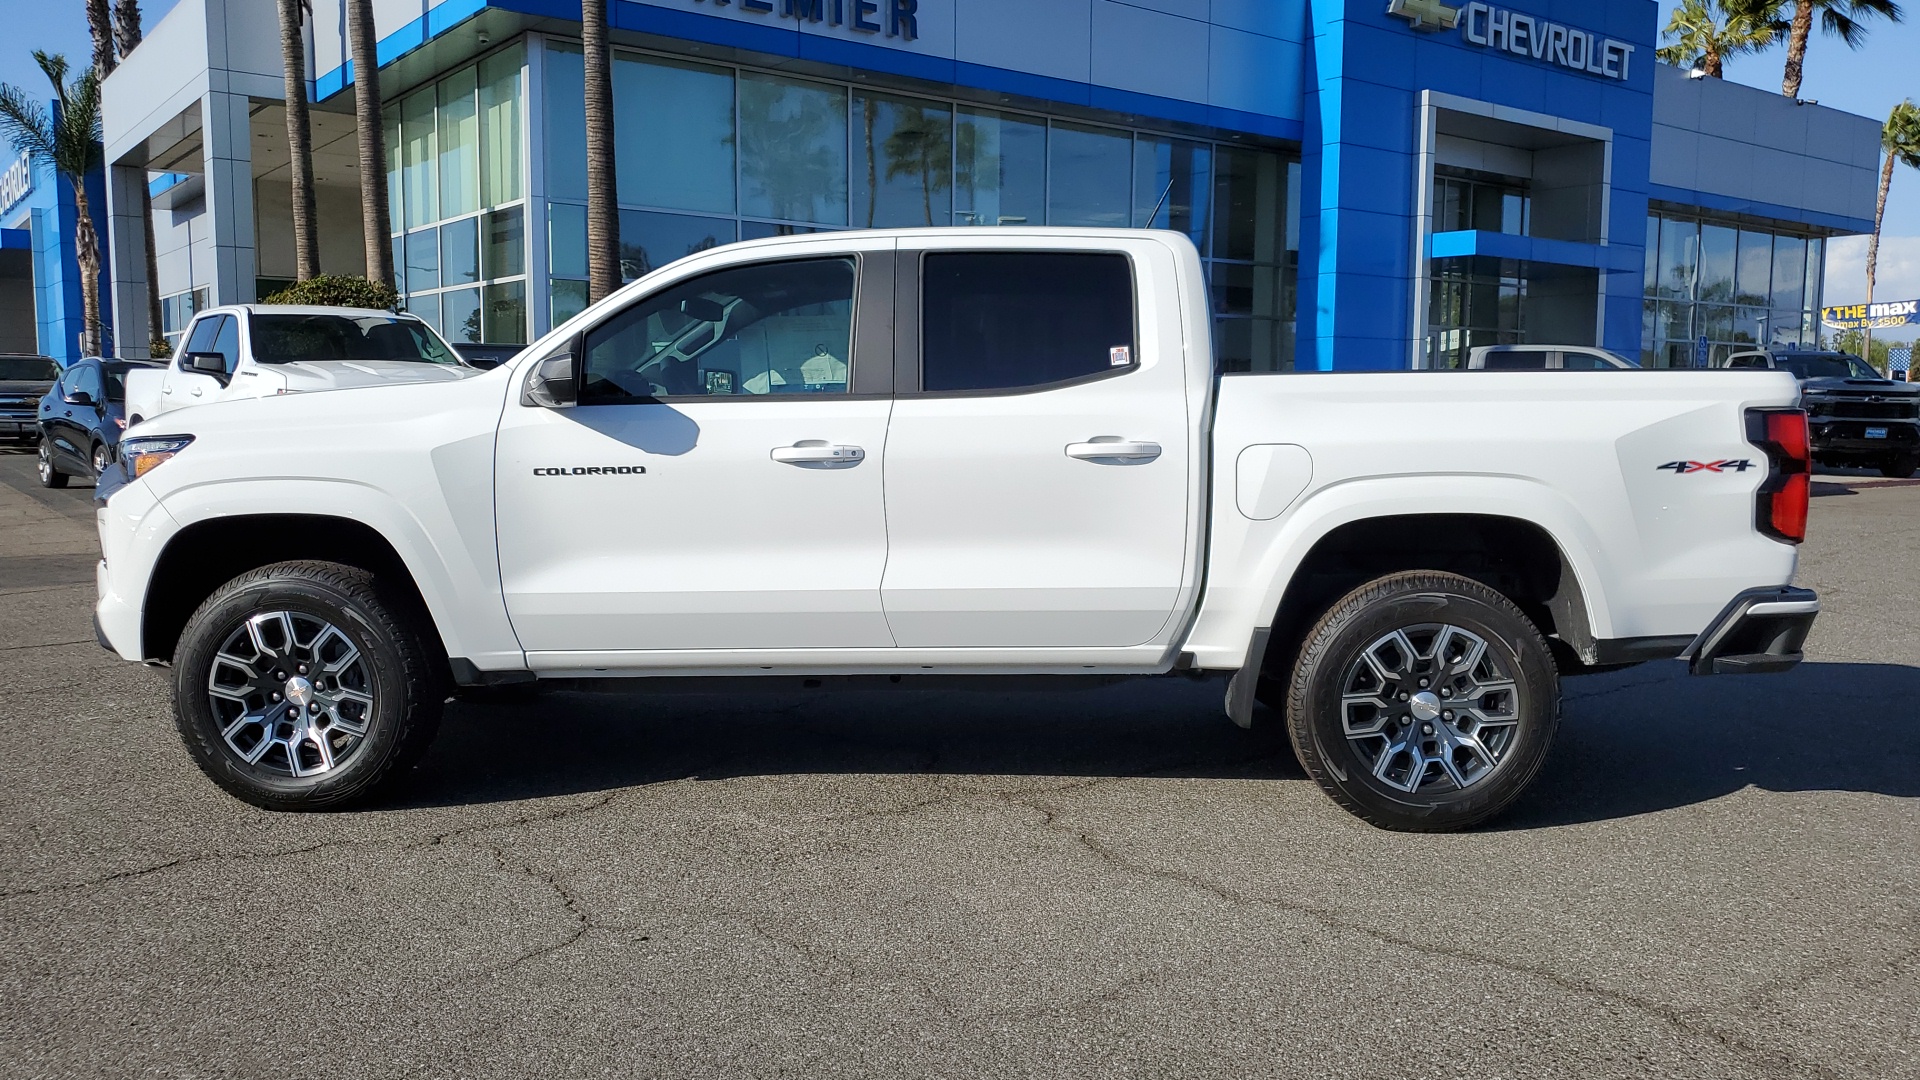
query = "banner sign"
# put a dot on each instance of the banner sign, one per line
(1872, 316)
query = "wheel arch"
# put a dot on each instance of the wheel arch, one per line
(208, 553)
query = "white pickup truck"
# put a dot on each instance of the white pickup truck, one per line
(262, 350)
(959, 453)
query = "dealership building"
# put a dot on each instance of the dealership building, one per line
(1372, 184)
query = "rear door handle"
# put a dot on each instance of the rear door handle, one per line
(196, 391)
(166, 389)
(1113, 450)
(818, 452)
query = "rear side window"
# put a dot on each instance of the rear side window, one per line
(1517, 361)
(1008, 320)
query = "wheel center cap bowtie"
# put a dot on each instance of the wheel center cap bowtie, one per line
(1425, 705)
(299, 692)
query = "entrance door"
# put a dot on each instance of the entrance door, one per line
(1038, 487)
(718, 486)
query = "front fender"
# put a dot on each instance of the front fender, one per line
(458, 580)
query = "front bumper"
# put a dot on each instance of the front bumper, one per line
(17, 426)
(1760, 632)
(1851, 435)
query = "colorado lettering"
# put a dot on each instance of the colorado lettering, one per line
(595, 470)
(1528, 35)
(864, 16)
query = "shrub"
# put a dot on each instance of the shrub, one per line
(338, 290)
(160, 349)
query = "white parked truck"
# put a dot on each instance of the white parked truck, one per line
(960, 452)
(264, 350)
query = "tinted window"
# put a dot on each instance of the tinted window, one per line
(291, 338)
(201, 339)
(28, 369)
(227, 341)
(775, 328)
(1576, 361)
(1003, 320)
(1807, 366)
(86, 379)
(1746, 362)
(1516, 361)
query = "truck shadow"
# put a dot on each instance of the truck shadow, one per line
(1634, 742)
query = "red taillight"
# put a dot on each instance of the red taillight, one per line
(1781, 506)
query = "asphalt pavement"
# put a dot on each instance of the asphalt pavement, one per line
(1711, 878)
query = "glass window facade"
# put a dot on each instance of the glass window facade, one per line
(455, 180)
(740, 154)
(1476, 301)
(1727, 286)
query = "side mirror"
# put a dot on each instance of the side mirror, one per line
(79, 397)
(553, 383)
(208, 363)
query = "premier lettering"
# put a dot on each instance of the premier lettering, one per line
(16, 183)
(902, 17)
(1528, 35)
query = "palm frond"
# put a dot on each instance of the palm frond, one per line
(24, 122)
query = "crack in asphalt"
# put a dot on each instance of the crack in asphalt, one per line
(1775, 1061)
(45, 645)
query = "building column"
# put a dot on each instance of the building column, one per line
(126, 253)
(228, 157)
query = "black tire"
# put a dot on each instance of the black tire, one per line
(1332, 661)
(50, 474)
(399, 671)
(1900, 466)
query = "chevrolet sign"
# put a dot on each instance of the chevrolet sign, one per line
(1492, 27)
(16, 184)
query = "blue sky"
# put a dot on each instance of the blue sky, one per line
(1867, 81)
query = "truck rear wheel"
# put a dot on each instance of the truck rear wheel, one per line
(302, 686)
(1423, 702)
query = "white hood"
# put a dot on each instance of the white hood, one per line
(310, 375)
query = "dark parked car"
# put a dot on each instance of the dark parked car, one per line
(486, 356)
(23, 379)
(81, 419)
(1855, 415)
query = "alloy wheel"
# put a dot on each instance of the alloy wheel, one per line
(1429, 708)
(291, 693)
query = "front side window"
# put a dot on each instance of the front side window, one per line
(1009, 320)
(292, 338)
(200, 339)
(752, 331)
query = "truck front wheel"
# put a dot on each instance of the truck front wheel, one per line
(1423, 702)
(304, 686)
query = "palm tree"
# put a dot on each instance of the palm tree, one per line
(100, 27)
(376, 226)
(1704, 33)
(921, 146)
(1901, 139)
(68, 140)
(293, 61)
(1843, 19)
(603, 214)
(127, 35)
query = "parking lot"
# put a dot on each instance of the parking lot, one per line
(1712, 877)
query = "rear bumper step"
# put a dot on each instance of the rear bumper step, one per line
(1759, 633)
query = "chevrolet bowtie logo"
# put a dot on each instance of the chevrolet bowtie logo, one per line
(1428, 15)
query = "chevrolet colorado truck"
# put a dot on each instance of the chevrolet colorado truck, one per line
(264, 350)
(961, 453)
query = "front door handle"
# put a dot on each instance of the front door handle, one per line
(166, 389)
(1113, 450)
(196, 391)
(818, 452)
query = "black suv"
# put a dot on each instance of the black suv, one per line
(1855, 416)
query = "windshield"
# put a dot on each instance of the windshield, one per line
(28, 369)
(291, 338)
(1812, 366)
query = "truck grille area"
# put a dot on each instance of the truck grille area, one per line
(1864, 407)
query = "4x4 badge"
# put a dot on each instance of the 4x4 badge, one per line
(1685, 468)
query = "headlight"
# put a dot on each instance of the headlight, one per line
(144, 454)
